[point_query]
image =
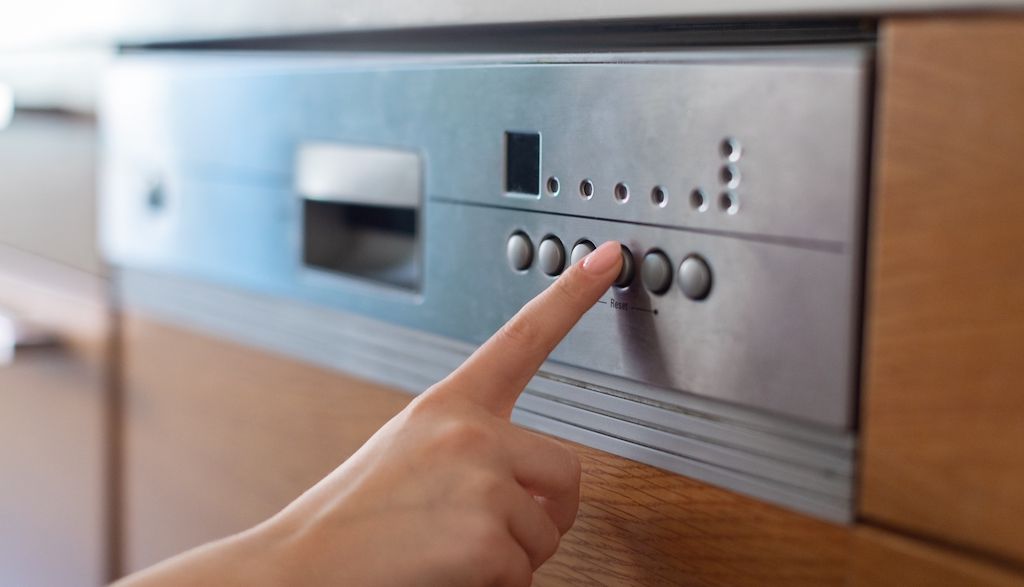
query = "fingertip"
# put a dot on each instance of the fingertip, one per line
(606, 257)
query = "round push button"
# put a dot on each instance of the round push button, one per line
(519, 251)
(551, 256)
(626, 272)
(656, 272)
(582, 249)
(695, 277)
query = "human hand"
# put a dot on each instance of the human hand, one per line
(448, 492)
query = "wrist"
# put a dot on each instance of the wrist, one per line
(251, 558)
(263, 555)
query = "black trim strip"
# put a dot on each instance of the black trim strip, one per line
(580, 35)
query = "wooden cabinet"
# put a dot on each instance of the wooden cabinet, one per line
(53, 429)
(943, 412)
(220, 436)
(886, 559)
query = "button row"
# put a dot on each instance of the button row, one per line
(655, 270)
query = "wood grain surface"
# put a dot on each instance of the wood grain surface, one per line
(883, 559)
(220, 436)
(639, 525)
(943, 418)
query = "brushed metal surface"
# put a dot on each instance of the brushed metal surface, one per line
(645, 120)
(335, 172)
(778, 332)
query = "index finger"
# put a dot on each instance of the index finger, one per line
(497, 372)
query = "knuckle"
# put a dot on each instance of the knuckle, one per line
(521, 330)
(568, 463)
(569, 519)
(518, 572)
(478, 551)
(490, 490)
(549, 547)
(487, 542)
(572, 468)
(424, 405)
(462, 435)
(431, 410)
(441, 400)
(569, 290)
(573, 465)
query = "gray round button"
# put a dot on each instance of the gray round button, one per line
(519, 251)
(582, 249)
(695, 277)
(551, 256)
(626, 272)
(656, 272)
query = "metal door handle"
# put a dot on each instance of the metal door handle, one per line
(17, 333)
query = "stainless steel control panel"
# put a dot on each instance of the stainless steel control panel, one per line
(441, 193)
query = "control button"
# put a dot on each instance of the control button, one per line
(695, 277)
(551, 256)
(626, 272)
(519, 251)
(582, 249)
(656, 272)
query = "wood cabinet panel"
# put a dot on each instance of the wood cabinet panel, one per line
(220, 436)
(943, 416)
(639, 525)
(882, 559)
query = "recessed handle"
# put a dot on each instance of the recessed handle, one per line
(352, 174)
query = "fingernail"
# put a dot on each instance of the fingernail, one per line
(603, 258)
